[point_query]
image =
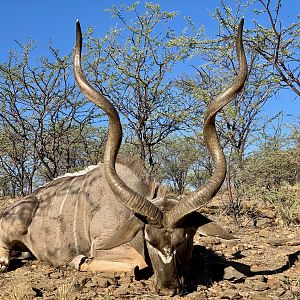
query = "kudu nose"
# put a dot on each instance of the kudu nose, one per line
(168, 291)
(169, 288)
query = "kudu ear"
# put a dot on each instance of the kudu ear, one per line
(206, 226)
(124, 233)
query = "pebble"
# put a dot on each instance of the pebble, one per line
(55, 275)
(91, 295)
(121, 290)
(76, 287)
(258, 283)
(104, 282)
(279, 292)
(90, 284)
(232, 274)
(264, 233)
(232, 295)
(125, 280)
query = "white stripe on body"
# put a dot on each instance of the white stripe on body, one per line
(75, 222)
(59, 229)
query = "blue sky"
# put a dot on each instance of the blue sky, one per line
(55, 20)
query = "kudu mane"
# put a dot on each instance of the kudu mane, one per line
(133, 163)
(136, 165)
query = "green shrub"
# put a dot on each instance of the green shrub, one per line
(273, 177)
(286, 200)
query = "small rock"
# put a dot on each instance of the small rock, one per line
(279, 292)
(232, 295)
(125, 280)
(90, 284)
(238, 248)
(55, 275)
(122, 290)
(103, 283)
(290, 235)
(260, 287)
(257, 283)
(274, 283)
(91, 295)
(264, 233)
(232, 274)
(262, 278)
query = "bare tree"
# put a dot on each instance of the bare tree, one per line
(132, 66)
(43, 118)
(278, 44)
(18, 163)
(177, 155)
(276, 40)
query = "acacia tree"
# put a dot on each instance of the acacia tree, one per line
(43, 119)
(278, 44)
(275, 38)
(177, 155)
(272, 48)
(274, 60)
(292, 128)
(242, 117)
(132, 66)
(18, 164)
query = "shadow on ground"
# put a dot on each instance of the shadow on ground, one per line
(207, 268)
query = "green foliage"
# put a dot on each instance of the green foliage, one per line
(273, 36)
(272, 50)
(274, 177)
(47, 129)
(286, 200)
(45, 125)
(242, 118)
(271, 169)
(177, 154)
(133, 64)
(182, 163)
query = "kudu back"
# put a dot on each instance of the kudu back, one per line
(114, 204)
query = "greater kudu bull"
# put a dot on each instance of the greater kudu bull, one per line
(114, 204)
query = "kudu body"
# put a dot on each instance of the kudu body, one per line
(113, 204)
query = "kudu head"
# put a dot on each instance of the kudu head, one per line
(168, 225)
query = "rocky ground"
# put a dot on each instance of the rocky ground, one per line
(263, 264)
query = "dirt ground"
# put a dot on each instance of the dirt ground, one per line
(263, 264)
